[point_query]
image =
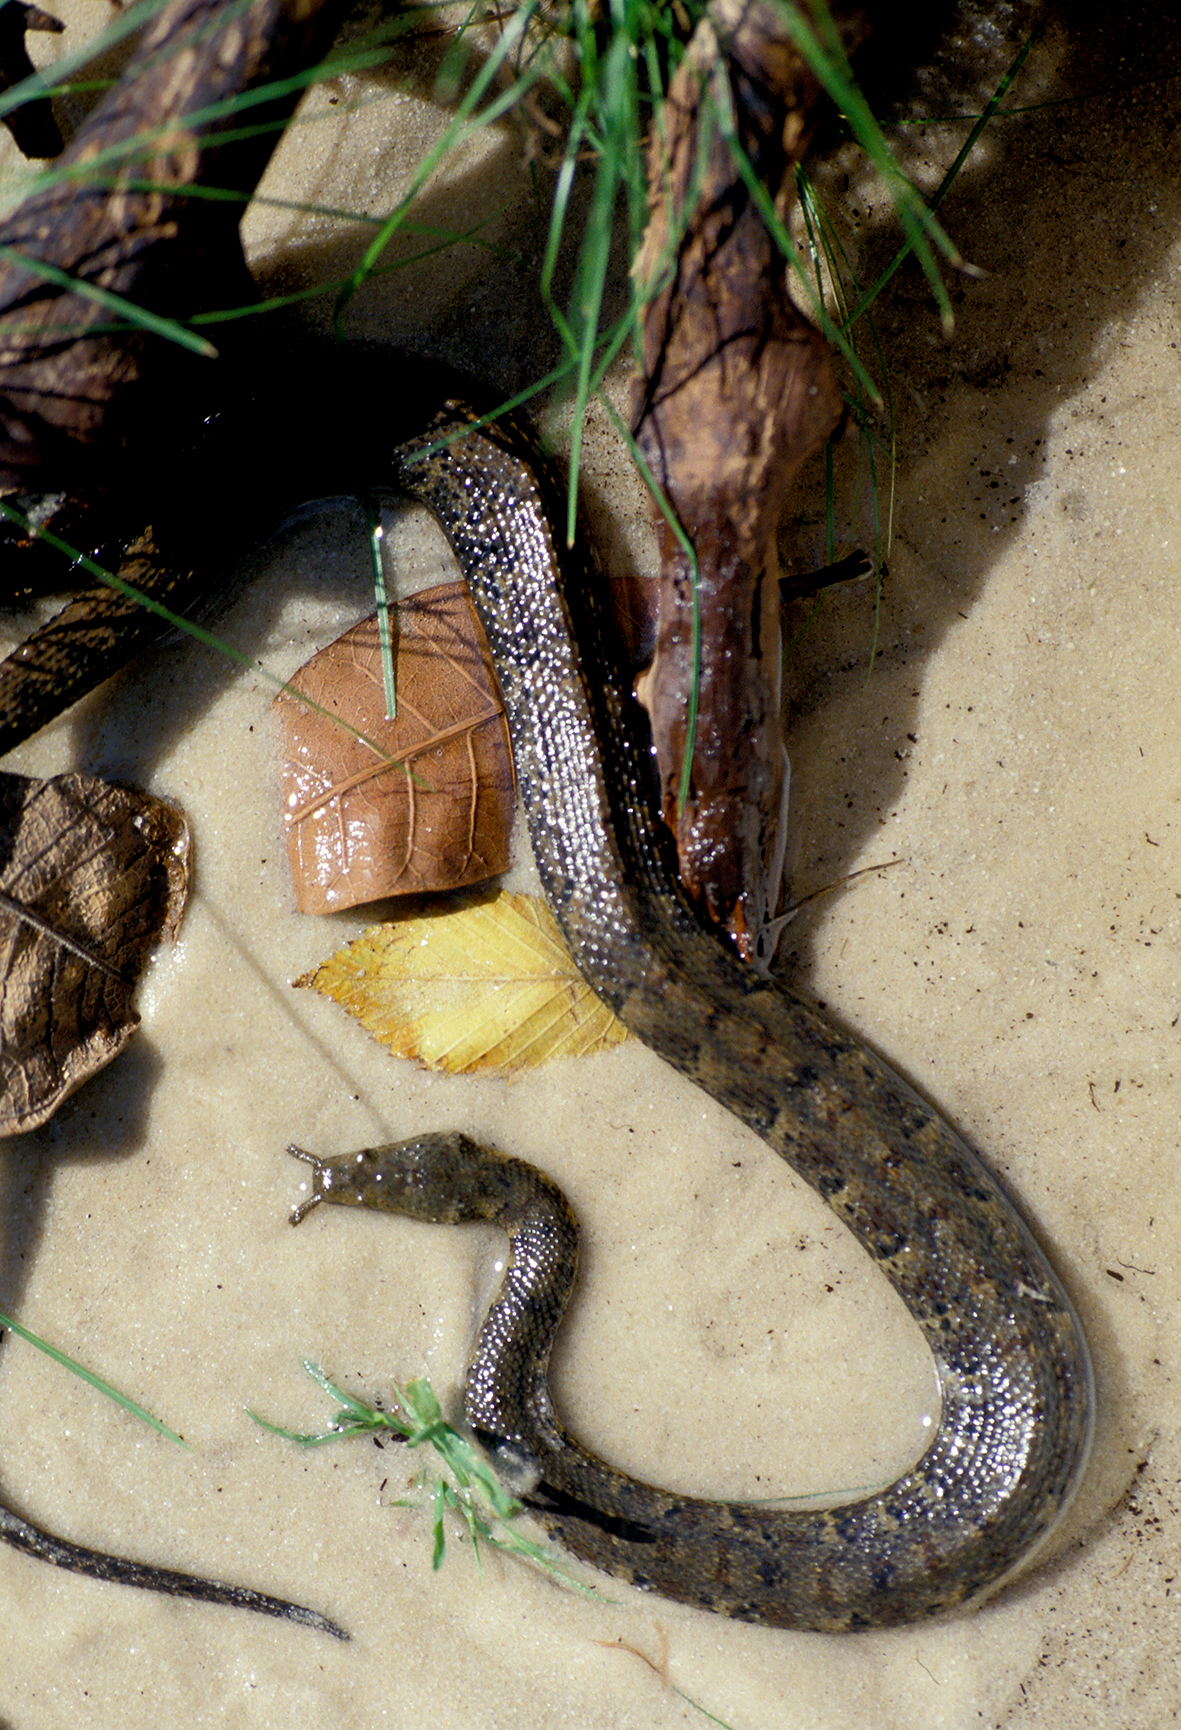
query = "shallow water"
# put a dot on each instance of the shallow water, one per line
(1014, 747)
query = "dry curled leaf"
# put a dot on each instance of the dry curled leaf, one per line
(420, 804)
(488, 986)
(91, 876)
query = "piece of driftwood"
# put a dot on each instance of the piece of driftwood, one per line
(76, 394)
(737, 393)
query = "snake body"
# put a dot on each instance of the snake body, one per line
(1013, 1366)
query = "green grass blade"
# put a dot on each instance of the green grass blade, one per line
(95, 1381)
(822, 51)
(384, 640)
(198, 633)
(945, 184)
(135, 315)
(475, 1494)
(462, 127)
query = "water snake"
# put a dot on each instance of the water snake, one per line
(1013, 1366)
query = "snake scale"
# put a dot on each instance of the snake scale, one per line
(1013, 1366)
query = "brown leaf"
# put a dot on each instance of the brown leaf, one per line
(485, 987)
(421, 804)
(90, 877)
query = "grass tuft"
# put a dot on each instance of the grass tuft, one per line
(467, 1486)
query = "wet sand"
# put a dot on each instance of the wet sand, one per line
(1014, 746)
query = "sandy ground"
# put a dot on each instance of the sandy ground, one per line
(1014, 746)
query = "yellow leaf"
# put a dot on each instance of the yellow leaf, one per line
(488, 986)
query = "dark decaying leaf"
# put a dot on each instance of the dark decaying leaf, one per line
(91, 876)
(421, 804)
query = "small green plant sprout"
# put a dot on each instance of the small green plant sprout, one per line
(470, 1487)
